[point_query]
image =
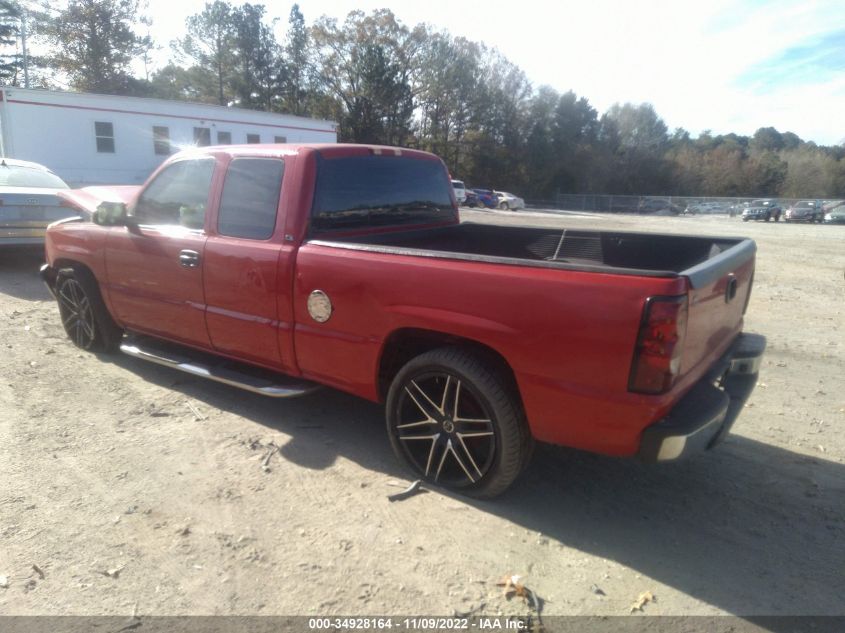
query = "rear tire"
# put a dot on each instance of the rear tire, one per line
(504, 206)
(458, 423)
(85, 317)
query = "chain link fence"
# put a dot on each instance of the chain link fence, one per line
(668, 205)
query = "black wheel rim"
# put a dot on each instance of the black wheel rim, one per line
(445, 429)
(77, 315)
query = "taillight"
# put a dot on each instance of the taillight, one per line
(657, 355)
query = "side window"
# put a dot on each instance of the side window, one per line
(250, 198)
(161, 140)
(178, 196)
(104, 133)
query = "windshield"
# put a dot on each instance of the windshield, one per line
(457, 184)
(365, 191)
(804, 204)
(17, 176)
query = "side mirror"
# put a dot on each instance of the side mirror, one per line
(115, 214)
(110, 214)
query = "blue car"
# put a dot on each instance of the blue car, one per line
(487, 198)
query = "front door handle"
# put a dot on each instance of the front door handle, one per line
(189, 259)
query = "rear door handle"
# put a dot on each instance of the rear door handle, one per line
(189, 259)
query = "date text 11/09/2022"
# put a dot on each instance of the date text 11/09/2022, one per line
(426, 623)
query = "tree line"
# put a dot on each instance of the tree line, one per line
(385, 82)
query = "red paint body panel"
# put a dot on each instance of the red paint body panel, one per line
(568, 335)
(241, 285)
(149, 291)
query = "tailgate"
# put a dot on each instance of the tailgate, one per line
(719, 291)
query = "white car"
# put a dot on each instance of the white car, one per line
(509, 201)
(705, 208)
(28, 202)
(460, 191)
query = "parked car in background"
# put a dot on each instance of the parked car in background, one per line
(460, 191)
(762, 209)
(487, 198)
(28, 202)
(658, 206)
(705, 208)
(835, 215)
(805, 211)
(472, 200)
(509, 201)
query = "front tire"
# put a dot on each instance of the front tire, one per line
(504, 206)
(457, 423)
(85, 317)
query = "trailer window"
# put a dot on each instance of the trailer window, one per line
(378, 190)
(104, 133)
(253, 138)
(202, 136)
(280, 139)
(250, 200)
(161, 140)
(224, 138)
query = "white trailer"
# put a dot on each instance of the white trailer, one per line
(90, 139)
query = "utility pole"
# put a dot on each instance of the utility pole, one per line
(23, 46)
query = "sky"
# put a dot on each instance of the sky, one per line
(718, 65)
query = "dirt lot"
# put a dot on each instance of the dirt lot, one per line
(133, 487)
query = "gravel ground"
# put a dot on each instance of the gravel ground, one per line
(128, 487)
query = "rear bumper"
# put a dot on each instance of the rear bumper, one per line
(22, 235)
(708, 411)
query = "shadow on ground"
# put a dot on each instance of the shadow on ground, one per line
(749, 528)
(19, 273)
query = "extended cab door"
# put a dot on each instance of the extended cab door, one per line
(155, 270)
(248, 273)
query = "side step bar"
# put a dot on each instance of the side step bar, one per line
(204, 365)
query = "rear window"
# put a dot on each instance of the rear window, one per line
(371, 191)
(13, 176)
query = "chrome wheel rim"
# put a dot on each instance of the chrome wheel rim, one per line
(445, 429)
(77, 315)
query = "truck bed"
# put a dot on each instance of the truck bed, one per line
(701, 259)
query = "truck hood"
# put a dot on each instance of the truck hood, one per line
(89, 198)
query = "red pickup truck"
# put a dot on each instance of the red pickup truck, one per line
(281, 268)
